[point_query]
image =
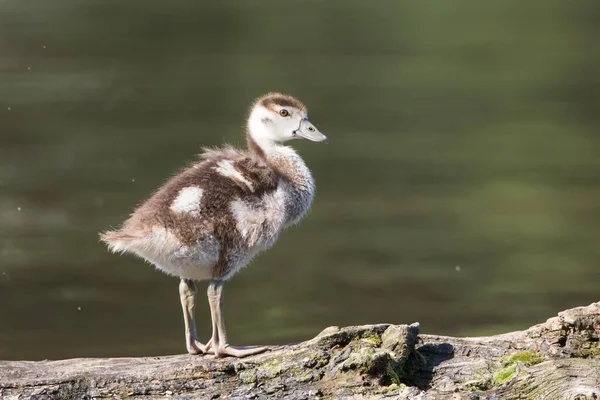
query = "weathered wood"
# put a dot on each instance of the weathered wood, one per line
(558, 359)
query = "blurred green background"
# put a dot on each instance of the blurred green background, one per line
(460, 188)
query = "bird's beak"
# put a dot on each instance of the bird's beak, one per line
(308, 131)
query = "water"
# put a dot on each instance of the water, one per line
(460, 188)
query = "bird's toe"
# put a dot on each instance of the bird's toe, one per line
(239, 352)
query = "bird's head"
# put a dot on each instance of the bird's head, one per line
(277, 118)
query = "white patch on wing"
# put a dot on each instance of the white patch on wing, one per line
(188, 201)
(226, 168)
(260, 223)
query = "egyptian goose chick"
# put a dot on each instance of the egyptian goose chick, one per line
(209, 221)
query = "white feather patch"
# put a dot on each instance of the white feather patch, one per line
(260, 224)
(188, 201)
(226, 168)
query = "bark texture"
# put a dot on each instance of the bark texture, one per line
(558, 359)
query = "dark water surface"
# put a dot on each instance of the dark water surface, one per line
(461, 187)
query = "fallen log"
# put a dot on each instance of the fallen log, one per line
(558, 359)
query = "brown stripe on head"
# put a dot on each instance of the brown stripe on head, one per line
(270, 100)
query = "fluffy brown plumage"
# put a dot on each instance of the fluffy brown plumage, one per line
(214, 216)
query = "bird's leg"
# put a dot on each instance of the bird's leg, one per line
(219, 343)
(187, 294)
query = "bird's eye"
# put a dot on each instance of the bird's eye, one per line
(283, 112)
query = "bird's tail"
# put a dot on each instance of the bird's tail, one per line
(118, 241)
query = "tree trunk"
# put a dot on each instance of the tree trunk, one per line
(559, 359)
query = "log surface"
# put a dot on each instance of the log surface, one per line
(558, 359)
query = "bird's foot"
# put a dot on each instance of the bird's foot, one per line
(194, 347)
(234, 351)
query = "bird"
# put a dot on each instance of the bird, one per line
(213, 217)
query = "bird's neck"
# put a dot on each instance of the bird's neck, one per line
(258, 137)
(296, 180)
(284, 160)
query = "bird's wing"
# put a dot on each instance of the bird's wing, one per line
(198, 199)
